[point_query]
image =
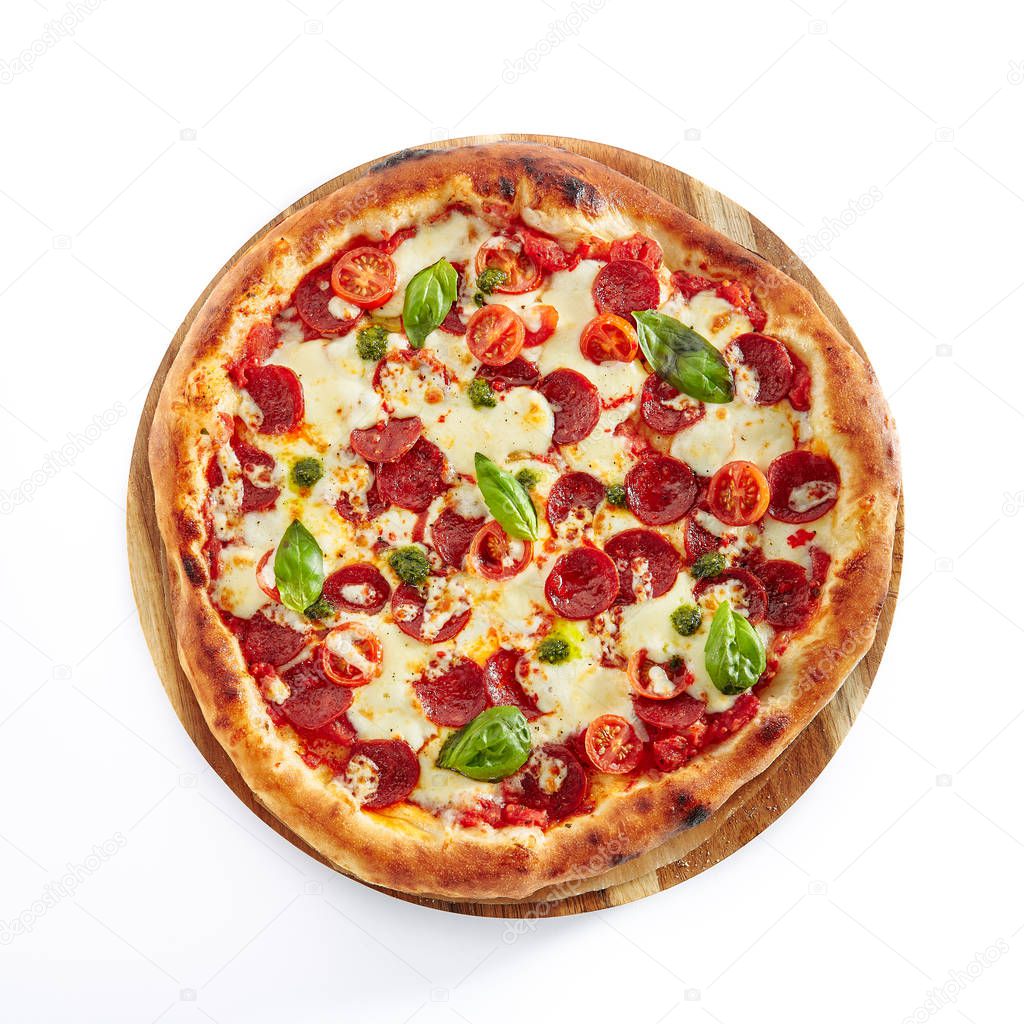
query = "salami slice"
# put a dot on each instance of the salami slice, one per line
(359, 587)
(804, 486)
(264, 640)
(661, 417)
(575, 403)
(317, 707)
(647, 564)
(582, 584)
(407, 606)
(755, 599)
(519, 372)
(397, 771)
(451, 535)
(791, 597)
(311, 300)
(455, 697)
(660, 490)
(570, 492)
(386, 442)
(414, 480)
(769, 359)
(624, 286)
(503, 686)
(697, 540)
(675, 714)
(278, 393)
(800, 389)
(553, 781)
(375, 505)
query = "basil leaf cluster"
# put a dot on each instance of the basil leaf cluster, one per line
(428, 297)
(684, 358)
(493, 746)
(506, 499)
(734, 654)
(298, 568)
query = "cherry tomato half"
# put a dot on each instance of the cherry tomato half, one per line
(365, 277)
(612, 745)
(265, 577)
(495, 335)
(351, 655)
(496, 556)
(654, 681)
(739, 494)
(609, 337)
(508, 254)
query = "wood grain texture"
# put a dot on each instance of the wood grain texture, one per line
(751, 809)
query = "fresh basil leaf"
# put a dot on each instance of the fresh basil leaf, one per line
(298, 568)
(684, 358)
(493, 746)
(428, 297)
(734, 654)
(506, 498)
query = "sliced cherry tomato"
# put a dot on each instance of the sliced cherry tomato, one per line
(613, 745)
(673, 679)
(495, 556)
(265, 577)
(364, 277)
(548, 322)
(495, 335)
(508, 254)
(739, 494)
(609, 338)
(351, 655)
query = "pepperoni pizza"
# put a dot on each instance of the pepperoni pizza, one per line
(512, 516)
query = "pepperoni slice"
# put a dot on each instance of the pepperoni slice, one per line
(638, 247)
(503, 686)
(257, 499)
(676, 714)
(624, 286)
(791, 598)
(452, 322)
(317, 707)
(575, 403)
(264, 640)
(357, 588)
(407, 605)
(691, 284)
(770, 360)
(386, 442)
(820, 561)
(375, 505)
(661, 417)
(278, 393)
(414, 480)
(647, 555)
(398, 771)
(582, 584)
(570, 492)
(804, 486)
(660, 490)
(554, 781)
(518, 373)
(754, 597)
(454, 698)
(311, 299)
(698, 541)
(800, 390)
(724, 723)
(451, 535)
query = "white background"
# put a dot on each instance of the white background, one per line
(141, 147)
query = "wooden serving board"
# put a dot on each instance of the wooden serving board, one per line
(751, 809)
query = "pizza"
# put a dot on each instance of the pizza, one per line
(513, 518)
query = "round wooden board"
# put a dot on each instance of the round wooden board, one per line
(751, 809)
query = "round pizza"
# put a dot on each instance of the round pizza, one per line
(514, 518)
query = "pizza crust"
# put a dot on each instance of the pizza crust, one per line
(405, 847)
